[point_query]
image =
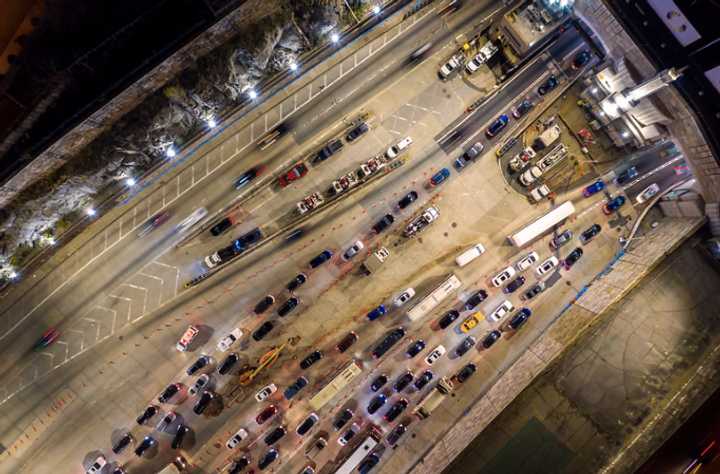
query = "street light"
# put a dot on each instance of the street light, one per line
(334, 37)
(170, 152)
(90, 211)
(293, 66)
(130, 182)
(376, 9)
(252, 94)
(211, 122)
(13, 275)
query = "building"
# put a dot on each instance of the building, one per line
(525, 28)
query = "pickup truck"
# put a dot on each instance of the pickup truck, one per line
(427, 217)
(375, 260)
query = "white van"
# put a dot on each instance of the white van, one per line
(503, 310)
(395, 150)
(470, 254)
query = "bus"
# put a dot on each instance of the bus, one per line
(360, 453)
(542, 224)
(341, 380)
(431, 301)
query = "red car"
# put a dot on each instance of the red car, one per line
(266, 414)
(296, 172)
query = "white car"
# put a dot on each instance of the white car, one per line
(201, 382)
(502, 311)
(192, 219)
(404, 297)
(97, 466)
(166, 421)
(547, 266)
(475, 63)
(447, 68)
(503, 276)
(353, 250)
(527, 261)
(470, 254)
(435, 354)
(395, 150)
(265, 392)
(190, 333)
(647, 193)
(228, 341)
(236, 438)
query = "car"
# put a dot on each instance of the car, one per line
(403, 297)
(187, 338)
(423, 379)
(147, 443)
(397, 408)
(197, 215)
(550, 84)
(467, 344)
(275, 435)
(379, 382)
(527, 261)
(288, 306)
(573, 257)
(503, 277)
(267, 413)
(476, 298)
(202, 403)
(342, 419)
(357, 131)
(648, 193)
(490, 339)
(265, 392)
(594, 188)
(48, 337)
(534, 290)
(395, 434)
(399, 147)
(506, 146)
(149, 412)
(200, 363)
(179, 436)
(408, 199)
(332, 147)
(264, 304)
(514, 285)
(237, 466)
(295, 387)
(627, 175)
(221, 227)
(519, 318)
(466, 372)
(122, 443)
(202, 382)
(321, 258)
(169, 392)
(581, 59)
(522, 108)
(451, 65)
(250, 238)
(415, 348)
(228, 341)
(293, 174)
(119, 470)
(435, 354)
(495, 127)
(388, 342)
(469, 155)
(448, 318)
(613, 205)
(310, 359)
(153, 223)
(248, 176)
(237, 438)
(403, 381)
(561, 239)
(296, 282)
(347, 341)
(469, 323)
(314, 448)
(377, 402)
(353, 250)
(502, 310)
(439, 177)
(368, 463)
(590, 233)
(228, 363)
(376, 312)
(307, 425)
(470, 254)
(349, 434)
(263, 330)
(295, 235)
(475, 63)
(547, 266)
(383, 223)
(268, 459)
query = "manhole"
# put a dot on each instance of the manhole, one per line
(453, 225)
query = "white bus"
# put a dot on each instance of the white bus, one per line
(360, 453)
(338, 383)
(431, 301)
(542, 224)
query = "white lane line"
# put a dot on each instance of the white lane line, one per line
(153, 277)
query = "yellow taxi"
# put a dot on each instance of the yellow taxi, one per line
(469, 323)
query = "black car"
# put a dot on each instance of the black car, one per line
(359, 130)
(202, 361)
(347, 341)
(251, 237)
(297, 282)
(627, 175)
(321, 258)
(378, 383)
(415, 348)
(534, 291)
(248, 176)
(514, 285)
(395, 410)
(550, 84)
(448, 318)
(147, 443)
(295, 387)
(275, 435)
(408, 199)
(239, 465)
(328, 150)
(228, 363)
(581, 59)
(264, 304)
(179, 436)
(268, 459)
(147, 414)
(467, 344)
(368, 463)
(203, 402)
(475, 299)
(523, 108)
(395, 434)
(390, 340)
(423, 379)
(307, 425)
(403, 381)
(288, 306)
(122, 443)
(520, 318)
(491, 338)
(342, 419)
(169, 392)
(383, 223)
(308, 361)
(466, 372)
(573, 257)
(221, 227)
(590, 233)
(263, 330)
(376, 403)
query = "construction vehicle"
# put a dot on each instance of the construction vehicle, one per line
(375, 260)
(310, 202)
(427, 217)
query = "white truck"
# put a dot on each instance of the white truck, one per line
(375, 260)
(427, 217)
(344, 183)
(310, 202)
(434, 398)
(546, 138)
